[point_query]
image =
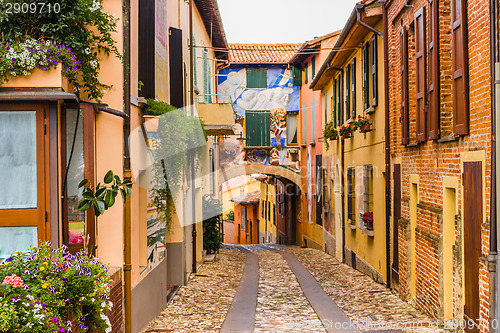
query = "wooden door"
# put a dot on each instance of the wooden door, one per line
(396, 207)
(473, 216)
(24, 198)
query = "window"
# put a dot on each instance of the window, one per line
(368, 197)
(404, 86)
(313, 67)
(325, 106)
(353, 70)
(256, 77)
(459, 67)
(305, 73)
(366, 76)
(348, 92)
(269, 210)
(291, 128)
(304, 124)
(243, 218)
(433, 67)
(263, 209)
(207, 86)
(274, 214)
(350, 196)
(258, 128)
(297, 76)
(313, 122)
(334, 104)
(374, 70)
(420, 84)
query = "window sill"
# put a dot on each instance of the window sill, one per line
(312, 144)
(352, 226)
(350, 120)
(411, 145)
(370, 110)
(448, 138)
(370, 233)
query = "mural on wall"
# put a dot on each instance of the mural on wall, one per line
(161, 62)
(278, 127)
(289, 157)
(280, 92)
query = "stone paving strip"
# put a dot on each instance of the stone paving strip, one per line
(363, 300)
(202, 304)
(281, 304)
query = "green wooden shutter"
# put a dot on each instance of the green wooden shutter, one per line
(305, 73)
(206, 77)
(374, 71)
(194, 62)
(313, 113)
(256, 77)
(258, 128)
(304, 123)
(354, 101)
(326, 107)
(348, 92)
(339, 102)
(313, 66)
(297, 76)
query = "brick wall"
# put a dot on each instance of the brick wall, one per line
(116, 296)
(432, 160)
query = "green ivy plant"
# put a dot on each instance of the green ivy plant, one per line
(212, 221)
(102, 197)
(180, 141)
(82, 26)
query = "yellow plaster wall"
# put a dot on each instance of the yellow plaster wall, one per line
(368, 149)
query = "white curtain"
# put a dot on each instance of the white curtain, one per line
(18, 177)
(14, 239)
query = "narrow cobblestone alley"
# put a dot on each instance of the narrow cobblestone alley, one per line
(282, 305)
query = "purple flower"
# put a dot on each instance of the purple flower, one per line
(55, 320)
(52, 289)
(64, 279)
(61, 330)
(17, 299)
(10, 258)
(69, 323)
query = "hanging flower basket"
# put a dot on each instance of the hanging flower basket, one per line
(364, 124)
(365, 128)
(346, 130)
(368, 220)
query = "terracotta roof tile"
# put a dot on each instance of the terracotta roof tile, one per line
(252, 197)
(262, 53)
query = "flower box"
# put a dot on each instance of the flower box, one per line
(365, 128)
(347, 135)
(38, 78)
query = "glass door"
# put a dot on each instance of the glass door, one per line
(22, 178)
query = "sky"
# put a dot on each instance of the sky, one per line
(282, 21)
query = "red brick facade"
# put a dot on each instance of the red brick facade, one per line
(432, 160)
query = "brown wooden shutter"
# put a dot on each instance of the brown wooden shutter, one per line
(176, 68)
(348, 93)
(404, 87)
(460, 69)
(433, 112)
(147, 46)
(420, 69)
(374, 71)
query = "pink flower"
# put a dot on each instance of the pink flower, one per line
(13, 280)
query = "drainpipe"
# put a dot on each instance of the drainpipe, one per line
(127, 223)
(359, 9)
(343, 180)
(495, 103)
(191, 101)
(387, 149)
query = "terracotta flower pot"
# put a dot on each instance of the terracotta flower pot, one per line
(365, 128)
(347, 135)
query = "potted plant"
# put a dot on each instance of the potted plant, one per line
(368, 220)
(346, 129)
(364, 124)
(329, 133)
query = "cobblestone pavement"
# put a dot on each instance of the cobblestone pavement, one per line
(281, 304)
(202, 304)
(362, 299)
